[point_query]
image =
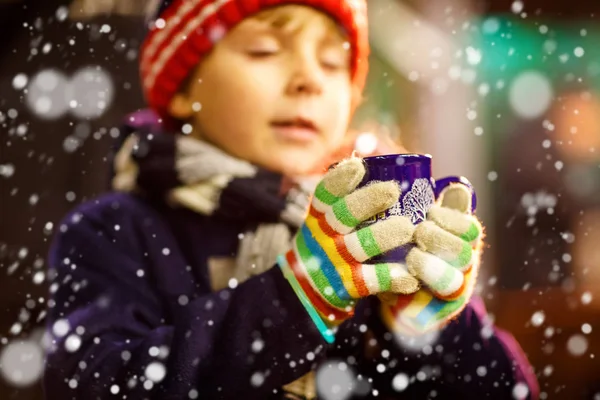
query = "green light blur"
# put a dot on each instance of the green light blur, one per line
(548, 47)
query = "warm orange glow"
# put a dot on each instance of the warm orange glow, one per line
(577, 121)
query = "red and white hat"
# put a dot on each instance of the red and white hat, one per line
(187, 29)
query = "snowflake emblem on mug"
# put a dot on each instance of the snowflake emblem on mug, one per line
(416, 201)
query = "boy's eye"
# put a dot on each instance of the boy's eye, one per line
(258, 53)
(335, 59)
(263, 48)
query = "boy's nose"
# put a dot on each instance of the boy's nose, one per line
(305, 79)
(304, 85)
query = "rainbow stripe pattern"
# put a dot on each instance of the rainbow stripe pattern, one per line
(423, 311)
(326, 262)
(446, 260)
(325, 265)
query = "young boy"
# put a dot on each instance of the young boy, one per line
(204, 276)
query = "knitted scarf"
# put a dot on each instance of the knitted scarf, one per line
(187, 172)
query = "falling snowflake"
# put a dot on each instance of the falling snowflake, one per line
(400, 382)
(530, 94)
(586, 298)
(22, 363)
(416, 343)
(586, 328)
(538, 318)
(20, 81)
(155, 372)
(577, 345)
(335, 380)
(91, 90)
(46, 94)
(257, 379)
(520, 391)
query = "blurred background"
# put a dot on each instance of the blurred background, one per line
(504, 92)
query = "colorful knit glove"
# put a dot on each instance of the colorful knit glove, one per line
(325, 266)
(445, 259)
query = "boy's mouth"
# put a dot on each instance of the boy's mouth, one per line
(296, 129)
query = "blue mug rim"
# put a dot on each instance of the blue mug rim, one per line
(408, 157)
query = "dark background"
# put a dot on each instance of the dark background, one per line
(44, 170)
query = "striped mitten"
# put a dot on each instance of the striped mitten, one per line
(445, 259)
(325, 265)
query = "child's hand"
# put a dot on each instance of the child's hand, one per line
(326, 263)
(446, 260)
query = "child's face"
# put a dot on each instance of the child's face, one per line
(275, 91)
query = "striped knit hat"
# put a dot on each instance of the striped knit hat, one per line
(186, 30)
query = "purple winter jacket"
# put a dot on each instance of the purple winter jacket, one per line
(132, 315)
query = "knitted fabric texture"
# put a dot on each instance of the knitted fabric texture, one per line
(196, 175)
(446, 260)
(193, 174)
(186, 30)
(326, 263)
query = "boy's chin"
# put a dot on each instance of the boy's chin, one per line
(295, 165)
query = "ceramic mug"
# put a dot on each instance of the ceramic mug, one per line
(419, 190)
